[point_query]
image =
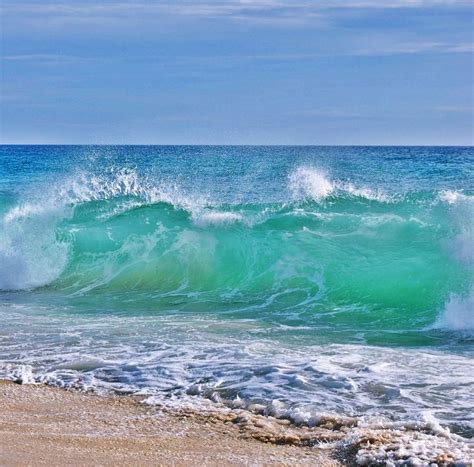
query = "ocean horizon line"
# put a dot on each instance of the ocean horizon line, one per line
(247, 145)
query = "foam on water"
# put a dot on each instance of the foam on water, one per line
(30, 253)
(204, 219)
(312, 183)
(291, 291)
(179, 362)
(83, 187)
(458, 314)
(453, 197)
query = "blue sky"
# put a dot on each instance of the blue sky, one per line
(237, 72)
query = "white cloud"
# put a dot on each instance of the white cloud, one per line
(415, 48)
(236, 9)
(44, 58)
(381, 50)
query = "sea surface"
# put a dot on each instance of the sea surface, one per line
(306, 281)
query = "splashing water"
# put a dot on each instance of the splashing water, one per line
(306, 281)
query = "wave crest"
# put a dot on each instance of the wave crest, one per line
(31, 255)
(307, 182)
(315, 184)
(458, 314)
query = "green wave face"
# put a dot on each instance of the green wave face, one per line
(346, 264)
(284, 242)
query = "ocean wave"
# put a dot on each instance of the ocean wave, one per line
(120, 232)
(316, 184)
(114, 183)
(458, 314)
(454, 197)
(34, 250)
(204, 219)
(31, 255)
(309, 182)
(264, 285)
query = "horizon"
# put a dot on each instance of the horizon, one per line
(250, 145)
(230, 72)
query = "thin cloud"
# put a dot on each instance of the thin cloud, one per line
(397, 49)
(405, 48)
(45, 58)
(236, 9)
(416, 48)
(280, 13)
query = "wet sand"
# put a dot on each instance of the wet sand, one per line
(42, 425)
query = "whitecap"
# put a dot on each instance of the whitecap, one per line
(308, 182)
(204, 219)
(452, 196)
(458, 314)
(316, 184)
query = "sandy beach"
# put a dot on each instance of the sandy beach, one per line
(42, 425)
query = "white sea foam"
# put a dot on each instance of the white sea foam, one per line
(458, 314)
(204, 219)
(452, 196)
(30, 253)
(316, 184)
(367, 193)
(343, 385)
(307, 182)
(404, 447)
(83, 187)
(25, 210)
(178, 360)
(21, 374)
(182, 356)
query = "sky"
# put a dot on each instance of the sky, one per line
(362, 72)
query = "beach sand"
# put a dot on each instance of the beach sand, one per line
(42, 425)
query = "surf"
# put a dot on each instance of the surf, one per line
(330, 246)
(304, 283)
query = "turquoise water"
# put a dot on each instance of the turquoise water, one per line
(307, 279)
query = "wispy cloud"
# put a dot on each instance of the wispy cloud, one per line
(235, 9)
(367, 112)
(412, 48)
(210, 61)
(56, 58)
(394, 48)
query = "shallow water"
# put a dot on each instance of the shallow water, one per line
(309, 280)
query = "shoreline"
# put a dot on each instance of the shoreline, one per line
(47, 425)
(43, 424)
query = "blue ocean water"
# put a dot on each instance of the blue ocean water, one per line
(307, 280)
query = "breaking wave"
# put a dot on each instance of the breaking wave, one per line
(313, 287)
(122, 232)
